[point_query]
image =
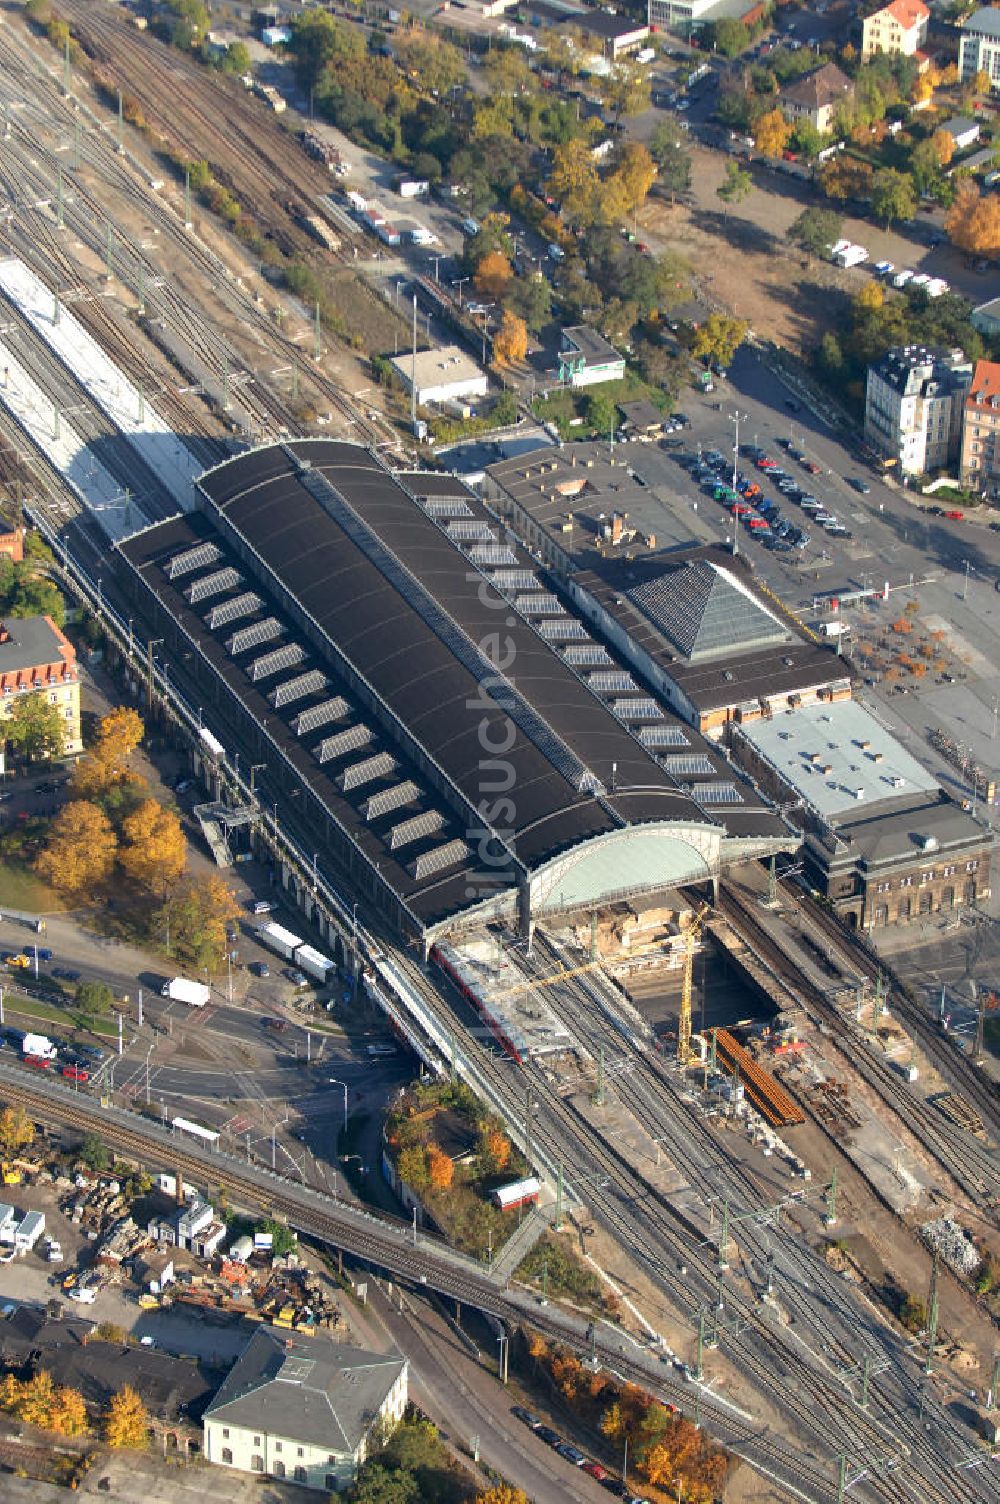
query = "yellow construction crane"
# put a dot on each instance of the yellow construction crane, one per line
(684, 1017)
(559, 976)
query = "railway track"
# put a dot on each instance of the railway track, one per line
(957, 1070)
(783, 1369)
(972, 1165)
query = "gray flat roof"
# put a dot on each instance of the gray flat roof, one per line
(839, 759)
(593, 346)
(985, 20)
(32, 642)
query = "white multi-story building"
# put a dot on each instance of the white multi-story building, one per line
(913, 407)
(979, 49)
(304, 1409)
(899, 29)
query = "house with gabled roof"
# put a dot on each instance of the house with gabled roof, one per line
(303, 1408)
(898, 29)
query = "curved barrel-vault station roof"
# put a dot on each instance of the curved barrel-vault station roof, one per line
(452, 755)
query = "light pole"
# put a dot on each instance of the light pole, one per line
(148, 1053)
(333, 1082)
(460, 283)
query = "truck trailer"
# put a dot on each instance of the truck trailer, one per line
(315, 965)
(280, 940)
(180, 990)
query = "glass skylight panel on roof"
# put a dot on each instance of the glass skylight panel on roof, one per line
(213, 584)
(446, 506)
(388, 800)
(310, 683)
(369, 770)
(716, 792)
(439, 858)
(273, 663)
(663, 736)
(564, 630)
(428, 823)
(492, 553)
(689, 765)
(473, 531)
(191, 559)
(637, 710)
(538, 603)
(255, 636)
(587, 655)
(247, 604)
(345, 741)
(320, 715)
(615, 681)
(512, 579)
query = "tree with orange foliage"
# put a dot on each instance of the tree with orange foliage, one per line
(440, 1168)
(109, 761)
(502, 1493)
(154, 852)
(80, 851)
(944, 145)
(493, 275)
(510, 343)
(772, 133)
(973, 222)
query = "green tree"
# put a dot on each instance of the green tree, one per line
(602, 414)
(94, 999)
(25, 592)
(283, 1240)
(816, 230)
(318, 40)
(625, 90)
(672, 161)
(735, 186)
(94, 1153)
(531, 299)
(719, 338)
(730, 37)
(807, 140)
(236, 59)
(34, 727)
(893, 195)
(377, 1484)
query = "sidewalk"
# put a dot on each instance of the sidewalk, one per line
(518, 1246)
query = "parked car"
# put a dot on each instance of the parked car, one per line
(92, 1051)
(861, 486)
(521, 1414)
(571, 1453)
(75, 1073)
(38, 1062)
(550, 1437)
(955, 515)
(295, 976)
(260, 906)
(260, 968)
(595, 1470)
(65, 974)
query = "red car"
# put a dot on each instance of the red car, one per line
(956, 516)
(75, 1073)
(811, 466)
(765, 463)
(38, 1062)
(595, 1470)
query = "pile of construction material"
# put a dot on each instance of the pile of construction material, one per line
(957, 1249)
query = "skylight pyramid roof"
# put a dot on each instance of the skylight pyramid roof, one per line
(706, 612)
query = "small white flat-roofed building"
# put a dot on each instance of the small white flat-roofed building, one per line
(444, 374)
(27, 1234)
(8, 1222)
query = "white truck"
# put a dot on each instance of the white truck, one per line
(835, 628)
(315, 965)
(38, 1045)
(280, 940)
(180, 990)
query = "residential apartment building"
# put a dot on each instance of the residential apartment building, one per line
(816, 95)
(979, 49)
(303, 1408)
(981, 428)
(36, 658)
(914, 405)
(899, 29)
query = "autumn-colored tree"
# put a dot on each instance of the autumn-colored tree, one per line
(870, 299)
(843, 177)
(413, 1168)
(17, 1131)
(68, 1414)
(126, 1423)
(498, 1145)
(510, 343)
(923, 89)
(573, 181)
(973, 222)
(944, 145)
(626, 187)
(440, 1169)
(109, 761)
(195, 919)
(10, 1392)
(37, 1399)
(493, 275)
(982, 83)
(772, 133)
(80, 851)
(719, 337)
(502, 1493)
(154, 851)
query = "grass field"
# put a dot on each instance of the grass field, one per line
(21, 889)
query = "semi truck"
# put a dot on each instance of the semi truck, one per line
(180, 990)
(280, 940)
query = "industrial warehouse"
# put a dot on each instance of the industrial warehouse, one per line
(464, 745)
